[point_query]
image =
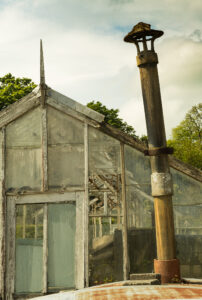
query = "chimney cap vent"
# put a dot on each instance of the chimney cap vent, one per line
(142, 31)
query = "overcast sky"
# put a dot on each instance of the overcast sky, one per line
(86, 58)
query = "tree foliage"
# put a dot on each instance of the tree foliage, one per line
(187, 138)
(13, 89)
(112, 117)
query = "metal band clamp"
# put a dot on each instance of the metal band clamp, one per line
(158, 151)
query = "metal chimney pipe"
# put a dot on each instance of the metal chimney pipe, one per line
(161, 181)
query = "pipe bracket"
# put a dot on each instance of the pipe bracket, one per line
(158, 151)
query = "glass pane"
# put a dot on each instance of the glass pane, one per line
(23, 152)
(66, 166)
(61, 246)
(105, 174)
(138, 171)
(188, 229)
(140, 211)
(186, 189)
(138, 190)
(105, 209)
(65, 150)
(29, 248)
(23, 169)
(187, 202)
(104, 153)
(142, 249)
(105, 250)
(63, 129)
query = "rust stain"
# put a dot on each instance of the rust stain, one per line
(117, 291)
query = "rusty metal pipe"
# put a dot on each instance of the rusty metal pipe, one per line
(161, 180)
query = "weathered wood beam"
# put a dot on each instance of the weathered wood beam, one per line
(61, 190)
(105, 182)
(2, 215)
(104, 215)
(79, 241)
(24, 217)
(67, 110)
(105, 204)
(86, 206)
(185, 168)
(75, 106)
(19, 108)
(10, 249)
(45, 248)
(43, 198)
(44, 150)
(130, 141)
(125, 225)
(122, 137)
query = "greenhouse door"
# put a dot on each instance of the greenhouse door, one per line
(61, 246)
(45, 244)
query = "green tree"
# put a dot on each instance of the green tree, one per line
(187, 138)
(13, 89)
(112, 117)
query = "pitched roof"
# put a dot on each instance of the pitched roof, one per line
(54, 98)
(82, 109)
(83, 113)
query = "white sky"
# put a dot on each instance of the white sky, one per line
(86, 58)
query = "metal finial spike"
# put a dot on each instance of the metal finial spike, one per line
(42, 76)
(42, 71)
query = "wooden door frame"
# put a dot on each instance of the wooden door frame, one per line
(45, 199)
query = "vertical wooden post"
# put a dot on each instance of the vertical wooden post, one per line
(86, 206)
(2, 214)
(45, 248)
(124, 213)
(94, 227)
(118, 197)
(119, 221)
(105, 203)
(100, 226)
(110, 225)
(10, 249)
(80, 242)
(24, 217)
(35, 227)
(44, 151)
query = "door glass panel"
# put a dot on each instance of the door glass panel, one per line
(61, 246)
(29, 248)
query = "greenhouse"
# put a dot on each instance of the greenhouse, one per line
(76, 205)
